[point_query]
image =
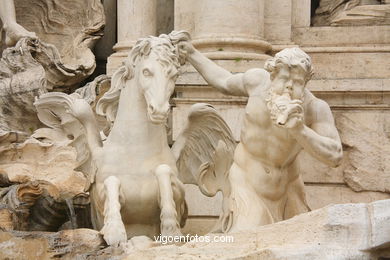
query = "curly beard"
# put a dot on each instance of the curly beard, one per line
(280, 113)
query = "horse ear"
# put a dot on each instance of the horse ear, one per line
(146, 48)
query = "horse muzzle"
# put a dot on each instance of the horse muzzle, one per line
(158, 116)
(158, 119)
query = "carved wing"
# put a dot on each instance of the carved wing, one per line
(92, 92)
(67, 116)
(204, 150)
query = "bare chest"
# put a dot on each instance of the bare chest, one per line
(263, 139)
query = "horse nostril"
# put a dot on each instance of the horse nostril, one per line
(289, 85)
(151, 108)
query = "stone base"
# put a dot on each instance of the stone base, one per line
(347, 231)
(65, 244)
(343, 231)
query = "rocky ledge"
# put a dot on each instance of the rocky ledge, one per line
(342, 231)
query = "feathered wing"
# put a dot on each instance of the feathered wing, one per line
(72, 121)
(204, 154)
(204, 150)
(92, 92)
(107, 105)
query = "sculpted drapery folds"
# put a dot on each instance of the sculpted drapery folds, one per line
(282, 117)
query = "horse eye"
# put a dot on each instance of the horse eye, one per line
(147, 73)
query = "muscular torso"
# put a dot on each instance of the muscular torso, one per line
(266, 153)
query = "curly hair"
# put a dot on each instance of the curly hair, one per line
(168, 54)
(291, 57)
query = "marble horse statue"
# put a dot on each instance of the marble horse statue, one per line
(136, 179)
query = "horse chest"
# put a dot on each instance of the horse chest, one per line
(140, 193)
(122, 160)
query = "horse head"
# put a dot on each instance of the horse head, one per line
(153, 64)
(155, 61)
(155, 73)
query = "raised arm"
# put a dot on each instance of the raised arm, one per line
(13, 30)
(7, 11)
(321, 139)
(216, 76)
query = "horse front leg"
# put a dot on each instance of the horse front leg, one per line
(113, 230)
(168, 217)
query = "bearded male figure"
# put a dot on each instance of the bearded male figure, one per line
(282, 117)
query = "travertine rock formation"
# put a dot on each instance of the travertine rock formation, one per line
(368, 150)
(22, 78)
(56, 164)
(72, 26)
(344, 231)
(43, 245)
(28, 70)
(60, 59)
(41, 194)
(38, 178)
(352, 13)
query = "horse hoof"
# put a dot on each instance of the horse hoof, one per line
(141, 242)
(114, 233)
(171, 231)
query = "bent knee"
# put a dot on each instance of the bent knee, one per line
(163, 170)
(112, 181)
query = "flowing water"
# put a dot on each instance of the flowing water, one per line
(71, 212)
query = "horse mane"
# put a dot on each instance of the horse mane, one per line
(168, 53)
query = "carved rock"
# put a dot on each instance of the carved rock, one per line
(18, 162)
(368, 150)
(352, 13)
(28, 70)
(72, 27)
(44, 245)
(18, 199)
(60, 59)
(22, 78)
(344, 231)
(364, 15)
(40, 206)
